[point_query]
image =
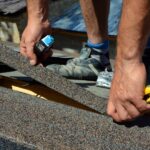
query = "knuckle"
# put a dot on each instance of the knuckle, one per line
(117, 119)
(30, 53)
(30, 44)
(123, 118)
(110, 113)
(130, 118)
(141, 107)
(135, 115)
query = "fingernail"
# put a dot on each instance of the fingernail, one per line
(32, 62)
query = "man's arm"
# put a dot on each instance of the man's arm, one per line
(37, 10)
(95, 14)
(37, 26)
(126, 95)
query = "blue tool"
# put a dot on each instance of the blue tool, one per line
(43, 45)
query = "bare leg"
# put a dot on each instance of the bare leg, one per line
(126, 95)
(95, 13)
(95, 53)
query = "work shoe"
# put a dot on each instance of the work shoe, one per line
(84, 67)
(104, 79)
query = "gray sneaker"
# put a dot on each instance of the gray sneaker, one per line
(84, 67)
(104, 79)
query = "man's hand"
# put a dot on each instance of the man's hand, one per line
(126, 95)
(32, 34)
(127, 91)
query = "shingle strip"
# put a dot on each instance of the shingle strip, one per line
(49, 125)
(50, 79)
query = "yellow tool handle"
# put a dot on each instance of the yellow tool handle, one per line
(147, 94)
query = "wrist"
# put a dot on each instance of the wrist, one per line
(37, 12)
(37, 22)
(129, 54)
(128, 57)
(38, 18)
(121, 61)
(127, 66)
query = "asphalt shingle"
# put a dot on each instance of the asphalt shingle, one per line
(49, 125)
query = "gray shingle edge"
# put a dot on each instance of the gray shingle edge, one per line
(13, 144)
(51, 80)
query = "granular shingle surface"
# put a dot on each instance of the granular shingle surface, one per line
(50, 79)
(48, 125)
(10, 144)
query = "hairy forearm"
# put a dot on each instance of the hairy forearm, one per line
(37, 10)
(134, 30)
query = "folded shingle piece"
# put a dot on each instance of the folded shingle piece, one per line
(54, 81)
